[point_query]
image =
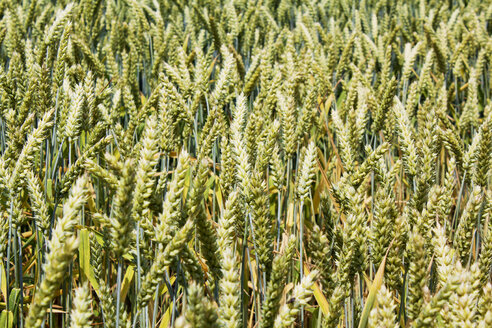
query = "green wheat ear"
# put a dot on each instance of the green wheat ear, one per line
(81, 313)
(301, 296)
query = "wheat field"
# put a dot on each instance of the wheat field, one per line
(245, 163)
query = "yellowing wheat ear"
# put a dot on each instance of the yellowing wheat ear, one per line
(62, 246)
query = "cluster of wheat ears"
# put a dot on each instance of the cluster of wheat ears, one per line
(245, 163)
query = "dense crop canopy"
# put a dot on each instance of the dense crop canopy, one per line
(245, 163)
